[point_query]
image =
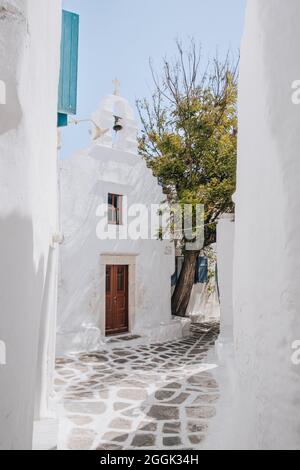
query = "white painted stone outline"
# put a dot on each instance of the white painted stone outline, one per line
(109, 422)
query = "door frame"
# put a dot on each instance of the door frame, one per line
(118, 259)
(114, 292)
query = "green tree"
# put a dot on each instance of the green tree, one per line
(189, 140)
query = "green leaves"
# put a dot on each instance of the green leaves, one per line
(189, 136)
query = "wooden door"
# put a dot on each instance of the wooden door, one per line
(116, 299)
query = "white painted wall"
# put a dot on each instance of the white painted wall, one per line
(86, 180)
(225, 245)
(267, 256)
(259, 408)
(204, 305)
(29, 67)
(2, 92)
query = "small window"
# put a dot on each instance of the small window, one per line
(114, 209)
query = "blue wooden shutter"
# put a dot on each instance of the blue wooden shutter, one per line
(201, 275)
(174, 279)
(178, 268)
(67, 92)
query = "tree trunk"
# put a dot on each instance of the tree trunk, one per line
(183, 289)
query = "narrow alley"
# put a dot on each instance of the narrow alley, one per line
(130, 396)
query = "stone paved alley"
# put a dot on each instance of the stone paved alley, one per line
(130, 396)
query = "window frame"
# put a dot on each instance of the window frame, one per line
(115, 210)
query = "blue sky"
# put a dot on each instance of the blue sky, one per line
(117, 38)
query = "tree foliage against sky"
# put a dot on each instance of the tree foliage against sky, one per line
(189, 140)
(189, 131)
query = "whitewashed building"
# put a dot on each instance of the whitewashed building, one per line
(259, 405)
(112, 279)
(29, 74)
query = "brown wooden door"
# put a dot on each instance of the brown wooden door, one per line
(116, 299)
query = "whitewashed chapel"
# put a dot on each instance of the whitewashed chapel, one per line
(112, 280)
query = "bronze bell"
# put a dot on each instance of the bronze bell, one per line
(117, 127)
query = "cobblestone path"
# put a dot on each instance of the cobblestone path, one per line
(132, 396)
